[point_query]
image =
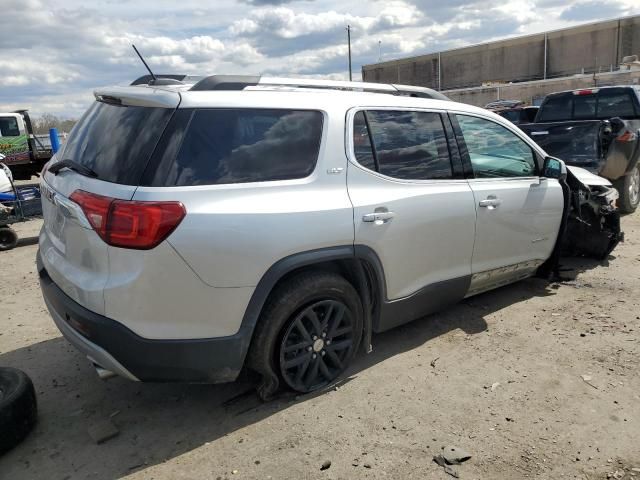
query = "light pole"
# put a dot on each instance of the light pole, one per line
(379, 50)
(349, 45)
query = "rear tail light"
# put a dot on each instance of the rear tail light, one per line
(627, 136)
(128, 223)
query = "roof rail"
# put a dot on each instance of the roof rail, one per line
(146, 79)
(239, 82)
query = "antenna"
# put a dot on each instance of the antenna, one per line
(145, 64)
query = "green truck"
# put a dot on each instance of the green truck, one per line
(23, 152)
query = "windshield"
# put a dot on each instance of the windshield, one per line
(116, 141)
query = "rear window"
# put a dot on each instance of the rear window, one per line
(116, 141)
(225, 146)
(604, 104)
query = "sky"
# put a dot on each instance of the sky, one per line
(54, 53)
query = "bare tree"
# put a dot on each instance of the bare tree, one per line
(47, 121)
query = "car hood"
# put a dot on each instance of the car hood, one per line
(588, 178)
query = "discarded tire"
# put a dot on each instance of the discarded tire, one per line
(8, 238)
(18, 408)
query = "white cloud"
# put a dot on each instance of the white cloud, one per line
(52, 57)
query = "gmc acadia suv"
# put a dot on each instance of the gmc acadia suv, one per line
(193, 229)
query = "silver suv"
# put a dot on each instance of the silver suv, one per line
(195, 228)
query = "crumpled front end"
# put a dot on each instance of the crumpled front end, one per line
(593, 226)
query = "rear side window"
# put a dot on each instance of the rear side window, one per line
(406, 145)
(116, 141)
(223, 146)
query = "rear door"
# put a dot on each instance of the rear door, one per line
(518, 212)
(410, 207)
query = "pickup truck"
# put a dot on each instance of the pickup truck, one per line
(597, 129)
(24, 153)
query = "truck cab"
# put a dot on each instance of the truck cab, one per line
(23, 152)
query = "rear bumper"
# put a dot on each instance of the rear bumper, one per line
(114, 347)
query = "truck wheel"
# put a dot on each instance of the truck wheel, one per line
(308, 333)
(629, 189)
(18, 409)
(8, 238)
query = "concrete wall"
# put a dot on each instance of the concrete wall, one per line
(533, 92)
(587, 48)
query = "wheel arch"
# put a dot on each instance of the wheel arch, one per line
(359, 265)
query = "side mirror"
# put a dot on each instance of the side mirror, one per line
(554, 168)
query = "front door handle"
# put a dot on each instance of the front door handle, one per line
(378, 217)
(490, 202)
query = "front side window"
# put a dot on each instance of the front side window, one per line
(495, 151)
(223, 146)
(406, 145)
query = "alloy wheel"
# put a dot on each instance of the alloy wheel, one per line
(316, 345)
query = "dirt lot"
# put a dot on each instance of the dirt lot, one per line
(500, 375)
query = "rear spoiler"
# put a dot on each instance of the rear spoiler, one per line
(139, 97)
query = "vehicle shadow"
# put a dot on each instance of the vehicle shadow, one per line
(158, 422)
(26, 241)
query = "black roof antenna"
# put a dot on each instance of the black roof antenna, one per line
(154, 79)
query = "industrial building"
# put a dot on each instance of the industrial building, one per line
(582, 56)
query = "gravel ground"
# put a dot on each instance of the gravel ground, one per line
(535, 380)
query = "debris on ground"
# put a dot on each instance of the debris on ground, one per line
(433, 362)
(494, 386)
(587, 379)
(455, 455)
(102, 431)
(325, 465)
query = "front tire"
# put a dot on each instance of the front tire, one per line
(308, 333)
(629, 189)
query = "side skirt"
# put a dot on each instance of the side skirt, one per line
(427, 300)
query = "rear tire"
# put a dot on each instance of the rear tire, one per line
(8, 238)
(18, 408)
(629, 189)
(289, 346)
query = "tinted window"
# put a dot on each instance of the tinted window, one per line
(615, 103)
(511, 115)
(409, 145)
(115, 141)
(495, 151)
(362, 142)
(246, 145)
(600, 105)
(9, 127)
(556, 108)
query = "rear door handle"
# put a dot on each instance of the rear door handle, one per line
(378, 217)
(490, 202)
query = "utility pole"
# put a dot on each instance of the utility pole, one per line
(379, 50)
(349, 44)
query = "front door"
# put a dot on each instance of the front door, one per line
(518, 211)
(410, 210)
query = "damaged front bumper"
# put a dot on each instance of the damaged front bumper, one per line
(593, 224)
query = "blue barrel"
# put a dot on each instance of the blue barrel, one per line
(55, 141)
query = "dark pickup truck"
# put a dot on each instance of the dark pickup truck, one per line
(597, 129)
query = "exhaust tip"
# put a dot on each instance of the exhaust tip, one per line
(103, 373)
